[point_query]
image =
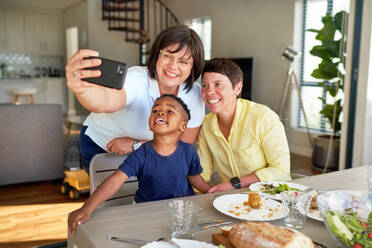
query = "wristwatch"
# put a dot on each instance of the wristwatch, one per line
(137, 144)
(235, 181)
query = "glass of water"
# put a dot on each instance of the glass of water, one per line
(298, 204)
(183, 215)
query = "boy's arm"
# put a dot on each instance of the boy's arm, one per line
(198, 183)
(107, 189)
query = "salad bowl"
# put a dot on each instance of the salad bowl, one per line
(347, 217)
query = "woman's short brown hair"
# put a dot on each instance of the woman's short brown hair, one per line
(183, 36)
(226, 67)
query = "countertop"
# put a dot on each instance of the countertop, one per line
(27, 78)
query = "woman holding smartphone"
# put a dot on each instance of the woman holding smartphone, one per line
(118, 122)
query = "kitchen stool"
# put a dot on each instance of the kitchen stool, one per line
(25, 92)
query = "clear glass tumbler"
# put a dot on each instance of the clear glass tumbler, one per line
(183, 216)
(298, 204)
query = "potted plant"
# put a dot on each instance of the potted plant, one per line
(332, 52)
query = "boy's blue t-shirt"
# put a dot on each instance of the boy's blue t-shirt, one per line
(162, 177)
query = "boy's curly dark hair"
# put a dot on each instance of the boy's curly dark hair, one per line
(179, 100)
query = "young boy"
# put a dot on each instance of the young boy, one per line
(165, 167)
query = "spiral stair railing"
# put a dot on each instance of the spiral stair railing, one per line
(140, 20)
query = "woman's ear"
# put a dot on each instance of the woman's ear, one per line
(238, 88)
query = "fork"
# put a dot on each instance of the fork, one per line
(129, 240)
(142, 241)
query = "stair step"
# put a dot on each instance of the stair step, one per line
(127, 29)
(117, 18)
(122, 1)
(116, 8)
(138, 41)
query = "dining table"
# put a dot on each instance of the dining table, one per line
(150, 220)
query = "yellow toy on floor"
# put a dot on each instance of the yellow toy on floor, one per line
(75, 183)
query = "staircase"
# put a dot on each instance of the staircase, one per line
(140, 20)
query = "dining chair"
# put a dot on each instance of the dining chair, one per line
(103, 165)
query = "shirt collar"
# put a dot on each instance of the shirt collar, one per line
(216, 129)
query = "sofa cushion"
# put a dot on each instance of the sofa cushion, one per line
(31, 143)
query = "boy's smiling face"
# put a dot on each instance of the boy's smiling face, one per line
(167, 116)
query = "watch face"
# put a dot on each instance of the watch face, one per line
(235, 181)
(136, 145)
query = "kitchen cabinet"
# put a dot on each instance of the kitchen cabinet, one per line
(44, 34)
(49, 90)
(12, 36)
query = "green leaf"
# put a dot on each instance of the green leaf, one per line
(331, 57)
(338, 19)
(313, 30)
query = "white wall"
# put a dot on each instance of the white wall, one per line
(78, 16)
(110, 44)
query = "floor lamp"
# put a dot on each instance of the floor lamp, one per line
(290, 54)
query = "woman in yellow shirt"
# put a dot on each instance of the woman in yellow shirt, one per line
(244, 141)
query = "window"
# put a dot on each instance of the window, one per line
(312, 12)
(203, 27)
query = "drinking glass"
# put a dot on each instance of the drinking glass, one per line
(183, 215)
(298, 204)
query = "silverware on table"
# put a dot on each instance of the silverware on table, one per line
(170, 241)
(142, 241)
(206, 227)
(129, 240)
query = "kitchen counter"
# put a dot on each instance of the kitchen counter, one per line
(49, 89)
(27, 78)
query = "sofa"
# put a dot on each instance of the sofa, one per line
(31, 143)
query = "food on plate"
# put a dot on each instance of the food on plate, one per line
(349, 229)
(313, 204)
(236, 206)
(262, 235)
(273, 190)
(254, 201)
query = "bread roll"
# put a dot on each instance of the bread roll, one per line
(266, 235)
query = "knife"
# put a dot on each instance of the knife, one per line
(206, 227)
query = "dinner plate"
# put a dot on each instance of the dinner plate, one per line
(259, 187)
(184, 243)
(233, 205)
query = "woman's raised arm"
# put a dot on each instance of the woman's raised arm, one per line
(94, 98)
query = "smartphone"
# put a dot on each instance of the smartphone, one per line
(113, 73)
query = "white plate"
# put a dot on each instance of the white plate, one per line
(184, 243)
(258, 187)
(315, 214)
(233, 205)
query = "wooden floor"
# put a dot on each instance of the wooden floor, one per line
(35, 214)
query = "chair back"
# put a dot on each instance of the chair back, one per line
(103, 165)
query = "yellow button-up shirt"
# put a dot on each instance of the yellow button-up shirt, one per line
(257, 144)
